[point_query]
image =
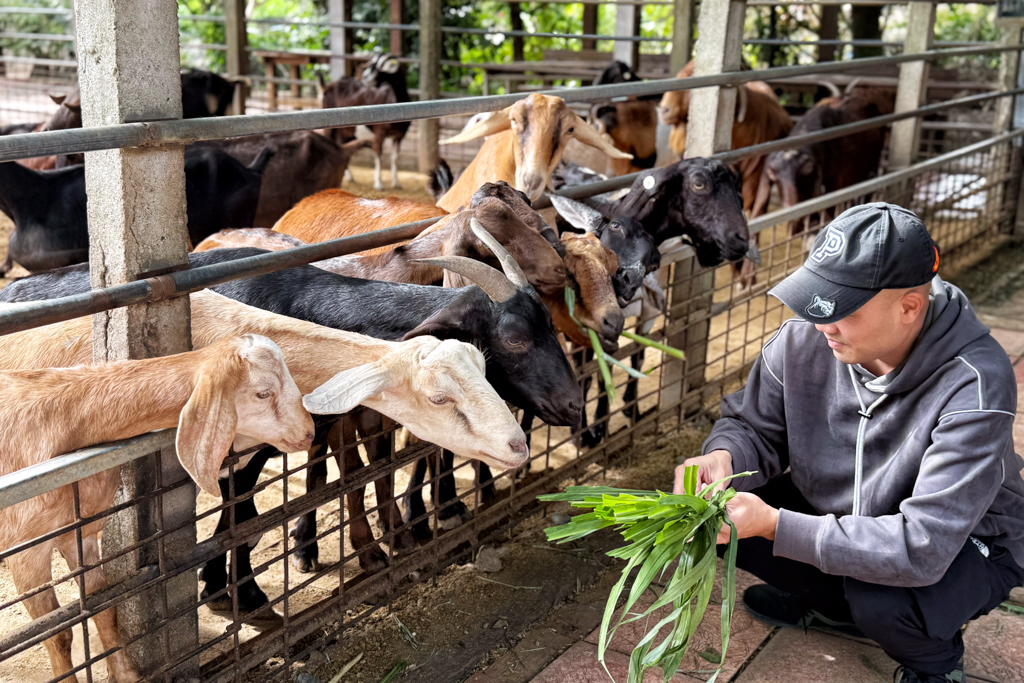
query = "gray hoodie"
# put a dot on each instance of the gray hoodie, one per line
(903, 468)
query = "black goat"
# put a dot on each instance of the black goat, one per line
(49, 211)
(204, 93)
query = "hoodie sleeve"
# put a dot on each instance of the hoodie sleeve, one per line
(960, 475)
(752, 427)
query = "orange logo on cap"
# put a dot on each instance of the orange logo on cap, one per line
(935, 268)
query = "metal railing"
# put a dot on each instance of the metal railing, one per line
(968, 197)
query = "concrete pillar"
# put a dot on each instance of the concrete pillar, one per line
(237, 40)
(710, 130)
(912, 86)
(627, 23)
(397, 36)
(136, 212)
(682, 35)
(590, 25)
(341, 38)
(430, 79)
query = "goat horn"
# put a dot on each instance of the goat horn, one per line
(586, 217)
(586, 134)
(496, 123)
(852, 84)
(741, 94)
(512, 270)
(831, 87)
(491, 280)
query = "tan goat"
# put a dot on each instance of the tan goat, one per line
(524, 144)
(235, 386)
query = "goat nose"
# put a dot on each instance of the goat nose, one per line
(518, 448)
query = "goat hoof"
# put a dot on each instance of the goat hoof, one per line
(372, 559)
(404, 542)
(488, 493)
(221, 604)
(452, 516)
(379, 187)
(307, 564)
(592, 437)
(251, 597)
(397, 186)
(421, 531)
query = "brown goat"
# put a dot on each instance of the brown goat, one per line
(451, 236)
(591, 267)
(524, 145)
(68, 115)
(633, 127)
(759, 118)
(238, 385)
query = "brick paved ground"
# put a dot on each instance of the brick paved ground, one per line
(555, 652)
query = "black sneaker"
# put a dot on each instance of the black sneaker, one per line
(905, 675)
(779, 608)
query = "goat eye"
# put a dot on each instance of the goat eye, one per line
(571, 131)
(617, 227)
(264, 394)
(698, 185)
(515, 343)
(439, 400)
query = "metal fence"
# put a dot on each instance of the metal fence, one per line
(968, 197)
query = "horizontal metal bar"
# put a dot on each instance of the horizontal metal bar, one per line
(35, 10)
(829, 200)
(860, 42)
(41, 61)
(202, 46)
(54, 37)
(44, 477)
(155, 133)
(571, 36)
(732, 156)
(24, 316)
(215, 18)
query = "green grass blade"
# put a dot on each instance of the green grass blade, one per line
(606, 374)
(629, 370)
(690, 479)
(664, 348)
(712, 485)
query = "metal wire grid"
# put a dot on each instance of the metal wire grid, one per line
(966, 202)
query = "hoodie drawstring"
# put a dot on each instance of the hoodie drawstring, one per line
(865, 415)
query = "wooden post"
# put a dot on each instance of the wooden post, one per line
(682, 35)
(237, 40)
(590, 25)
(1010, 115)
(711, 117)
(912, 86)
(270, 72)
(397, 36)
(430, 79)
(516, 24)
(136, 212)
(627, 23)
(341, 38)
(828, 30)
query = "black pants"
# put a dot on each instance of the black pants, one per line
(918, 627)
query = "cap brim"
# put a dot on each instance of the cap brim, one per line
(818, 300)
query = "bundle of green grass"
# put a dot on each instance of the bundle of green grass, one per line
(663, 533)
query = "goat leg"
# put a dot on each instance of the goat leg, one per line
(31, 568)
(414, 506)
(632, 389)
(452, 512)
(307, 558)
(118, 664)
(372, 558)
(370, 423)
(593, 436)
(8, 262)
(394, 164)
(485, 479)
(527, 425)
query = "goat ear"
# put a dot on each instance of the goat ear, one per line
(494, 124)
(206, 427)
(588, 136)
(347, 389)
(452, 322)
(389, 65)
(579, 215)
(58, 99)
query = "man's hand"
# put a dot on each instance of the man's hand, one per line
(711, 467)
(751, 516)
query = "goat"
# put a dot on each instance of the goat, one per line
(383, 82)
(304, 163)
(220, 193)
(419, 383)
(503, 211)
(237, 386)
(503, 316)
(632, 124)
(524, 144)
(808, 171)
(204, 93)
(759, 118)
(68, 115)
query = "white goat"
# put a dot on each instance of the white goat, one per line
(236, 386)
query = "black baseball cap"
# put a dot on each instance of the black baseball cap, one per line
(864, 250)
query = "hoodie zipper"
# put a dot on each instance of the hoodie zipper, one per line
(865, 415)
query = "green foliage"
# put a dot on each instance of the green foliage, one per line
(49, 24)
(967, 23)
(672, 535)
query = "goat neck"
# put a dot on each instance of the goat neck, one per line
(495, 161)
